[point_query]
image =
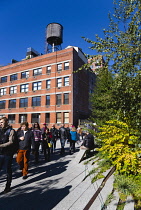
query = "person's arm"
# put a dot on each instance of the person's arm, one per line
(11, 140)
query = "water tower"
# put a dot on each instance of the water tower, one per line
(54, 33)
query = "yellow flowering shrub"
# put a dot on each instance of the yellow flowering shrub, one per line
(119, 144)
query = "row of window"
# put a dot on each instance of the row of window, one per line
(36, 72)
(36, 101)
(36, 118)
(35, 86)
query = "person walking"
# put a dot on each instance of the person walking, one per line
(54, 133)
(43, 129)
(7, 150)
(73, 134)
(63, 138)
(26, 139)
(38, 139)
(47, 136)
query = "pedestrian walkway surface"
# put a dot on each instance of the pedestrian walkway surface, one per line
(55, 185)
(49, 184)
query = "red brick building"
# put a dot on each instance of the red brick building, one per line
(44, 88)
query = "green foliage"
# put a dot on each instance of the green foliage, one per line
(120, 146)
(101, 98)
(121, 48)
(117, 96)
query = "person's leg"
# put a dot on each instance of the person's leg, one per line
(70, 147)
(1, 161)
(44, 149)
(20, 158)
(62, 146)
(26, 160)
(73, 146)
(37, 144)
(8, 167)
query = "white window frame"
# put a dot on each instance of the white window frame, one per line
(59, 82)
(3, 91)
(66, 81)
(37, 86)
(13, 89)
(24, 88)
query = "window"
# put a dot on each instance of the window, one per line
(3, 91)
(48, 69)
(3, 79)
(59, 82)
(48, 84)
(23, 102)
(47, 100)
(11, 118)
(36, 101)
(2, 104)
(59, 67)
(66, 65)
(22, 118)
(37, 72)
(58, 117)
(66, 81)
(66, 98)
(24, 88)
(37, 86)
(13, 77)
(47, 117)
(66, 117)
(58, 99)
(35, 118)
(12, 103)
(25, 74)
(13, 89)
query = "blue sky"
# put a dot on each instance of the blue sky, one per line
(23, 24)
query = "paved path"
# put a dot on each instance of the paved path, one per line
(55, 185)
(47, 185)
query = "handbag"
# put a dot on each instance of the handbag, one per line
(50, 145)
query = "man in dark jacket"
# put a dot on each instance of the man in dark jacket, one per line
(88, 141)
(7, 140)
(26, 139)
(54, 133)
(63, 137)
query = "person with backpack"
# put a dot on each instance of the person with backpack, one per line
(7, 150)
(26, 139)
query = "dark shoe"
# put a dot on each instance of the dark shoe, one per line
(25, 177)
(6, 190)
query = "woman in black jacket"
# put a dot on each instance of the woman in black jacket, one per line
(26, 139)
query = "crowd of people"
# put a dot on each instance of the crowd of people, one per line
(27, 140)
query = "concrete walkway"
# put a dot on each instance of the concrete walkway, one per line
(55, 185)
(50, 185)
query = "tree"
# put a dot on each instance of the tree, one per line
(121, 48)
(101, 98)
(119, 139)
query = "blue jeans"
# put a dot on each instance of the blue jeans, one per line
(62, 141)
(6, 165)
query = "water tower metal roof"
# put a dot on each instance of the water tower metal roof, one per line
(54, 34)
